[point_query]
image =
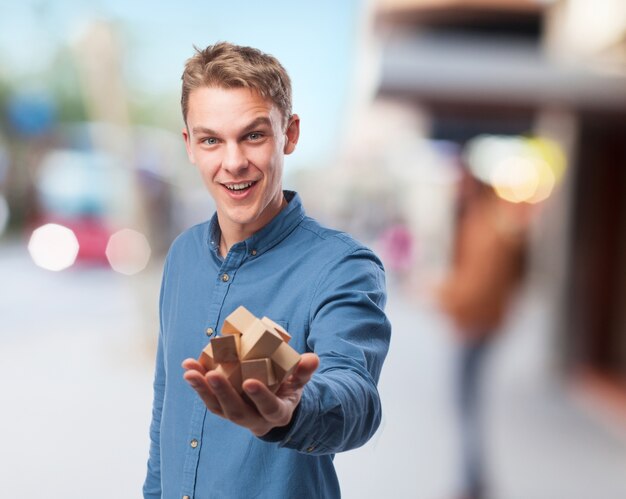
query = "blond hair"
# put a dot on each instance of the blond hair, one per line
(226, 65)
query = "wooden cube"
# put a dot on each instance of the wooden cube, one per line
(226, 348)
(232, 372)
(206, 358)
(239, 321)
(260, 369)
(259, 341)
(278, 328)
(284, 361)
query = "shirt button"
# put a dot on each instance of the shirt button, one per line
(225, 277)
(253, 252)
(209, 331)
(186, 497)
(194, 443)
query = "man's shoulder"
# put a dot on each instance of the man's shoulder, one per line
(335, 240)
(333, 258)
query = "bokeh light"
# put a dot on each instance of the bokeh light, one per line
(552, 153)
(515, 179)
(520, 169)
(128, 251)
(53, 247)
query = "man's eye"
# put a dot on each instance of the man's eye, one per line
(210, 141)
(255, 136)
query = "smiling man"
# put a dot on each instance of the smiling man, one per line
(262, 251)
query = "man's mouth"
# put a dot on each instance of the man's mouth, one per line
(240, 187)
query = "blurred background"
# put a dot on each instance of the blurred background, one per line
(479, 146)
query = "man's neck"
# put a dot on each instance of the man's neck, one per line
(233, 235)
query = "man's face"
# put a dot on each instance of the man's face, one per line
(237, 140)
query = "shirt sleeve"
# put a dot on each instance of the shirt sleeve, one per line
(340, 407)
(152, 484)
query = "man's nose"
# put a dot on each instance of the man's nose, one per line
(234, 158)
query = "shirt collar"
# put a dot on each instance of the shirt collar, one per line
(270, 235)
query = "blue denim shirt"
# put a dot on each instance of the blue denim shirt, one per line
(328, 291)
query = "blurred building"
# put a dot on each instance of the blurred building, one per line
(449, 71)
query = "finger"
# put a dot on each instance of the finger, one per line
(199, 383)
(269, 406)
(309, 362)
(232, 404)
(273, 410)
(193, 364)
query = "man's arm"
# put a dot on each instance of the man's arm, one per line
(152, 484)
(338, 408)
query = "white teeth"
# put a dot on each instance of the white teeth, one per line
(239, 187)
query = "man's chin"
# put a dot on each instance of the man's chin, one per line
(241, 217)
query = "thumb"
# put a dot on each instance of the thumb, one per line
(309, 362)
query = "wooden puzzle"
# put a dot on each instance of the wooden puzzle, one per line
(251, 348)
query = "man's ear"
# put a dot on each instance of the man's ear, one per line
(292, 134)
(187, 140)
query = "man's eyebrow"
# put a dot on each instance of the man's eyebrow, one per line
(260, 121)
(201, 130)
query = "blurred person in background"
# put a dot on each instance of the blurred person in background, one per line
(487, 269)
(260, 250)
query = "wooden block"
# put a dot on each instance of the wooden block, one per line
(226, 348)
(232, 372)
(259, 341)
(239, 321)
(284, 361)
(260, 369)
(206, 358)
(279, 329)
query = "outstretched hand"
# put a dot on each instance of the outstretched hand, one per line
(267, 411)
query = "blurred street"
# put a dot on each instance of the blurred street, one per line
(76, 365)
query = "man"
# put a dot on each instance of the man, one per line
(261, 251)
